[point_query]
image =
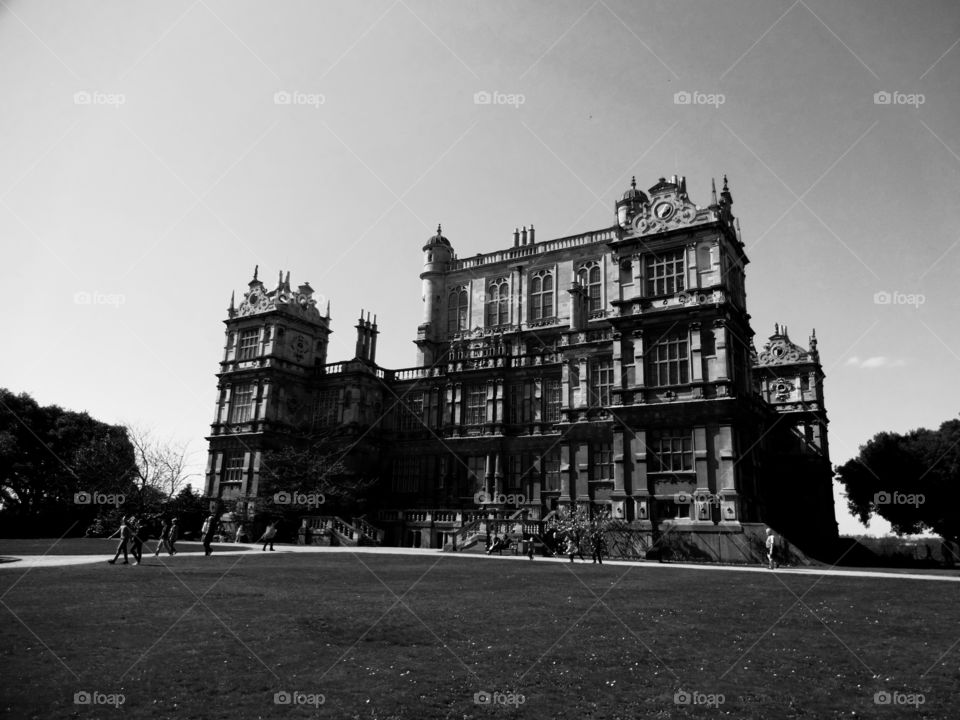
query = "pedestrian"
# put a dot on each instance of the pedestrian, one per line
(163, 542)
(207, 532)
(241, 533)
(136, 538)
(771, 547)
(572, 548)
(302, 533)
(530, 541)
(268, 535)
(122, 545)
(173, 536)
(598, 545)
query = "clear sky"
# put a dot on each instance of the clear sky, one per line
(147, 163)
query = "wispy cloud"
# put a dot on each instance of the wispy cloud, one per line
(877, 361)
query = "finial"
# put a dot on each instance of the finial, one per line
(633, 182)
(713, 191)
(776, 328)
(328, 309)
(439, 230)
(280, 278)
(287, 280)
(256, 269)
(232, 295)
(374, 320)
(725, 188)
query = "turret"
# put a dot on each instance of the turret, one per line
(630, 204)
(437, 254)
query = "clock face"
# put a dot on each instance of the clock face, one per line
(663, 210)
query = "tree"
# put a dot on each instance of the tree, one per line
(55, 464)
(909, 480)
(161, 466)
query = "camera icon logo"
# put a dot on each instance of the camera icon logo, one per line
(882, 98)
(282, 498)
(82, 498)
(282, 698)
(482, 698)
(82, 698)
(282, 98)
(82, 98)
(682, 697)
(682, 98)
(482, 97)
(881, 498)
(882, 698)
(882, 298)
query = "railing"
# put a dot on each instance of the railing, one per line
(539, 248)
(371, 532)
(467, 533)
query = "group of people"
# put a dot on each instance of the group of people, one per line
(132, 533)
(555, 544)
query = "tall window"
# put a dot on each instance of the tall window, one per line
(667, 362)
(519, 404)
(672, 451)
(457, 311)
(233, 467)
(601, 380)
(589, 277)
(476, 473)
(249, 340)
(410, 412)
(552, 399)
(326, 408)
(476, 404)
(541, 296)
(407, 473)
(550, 465)
(241, 408)
(498, 303)
(602, 468)
(664, 273)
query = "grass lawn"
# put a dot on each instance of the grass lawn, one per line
(416, 637)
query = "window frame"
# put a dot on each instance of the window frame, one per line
(664, 273)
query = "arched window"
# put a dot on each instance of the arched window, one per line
(498, 303)
(457, 311)
(541, 296)
(589, 276)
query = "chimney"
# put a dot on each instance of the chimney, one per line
(373, 340)
(523, 235)
(516, 237)
(531, 235)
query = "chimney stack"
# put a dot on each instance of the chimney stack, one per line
(516, 237)
(523, 235)
(531, 234)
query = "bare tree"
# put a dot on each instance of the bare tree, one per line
(161, 463)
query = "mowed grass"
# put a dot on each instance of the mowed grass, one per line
(417, 636)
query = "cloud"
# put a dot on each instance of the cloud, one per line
(877, 361)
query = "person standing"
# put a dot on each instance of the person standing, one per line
(302, 533)
(598, 545)
(173, 536)
(207, 532)
(122, 545)
(163, 542)
(771, 545)
(268, 535)
(241, 533)
(572, 548)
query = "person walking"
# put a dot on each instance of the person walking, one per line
(124, 532)
(207, 532)
(572, 548)
(268, 535)
(771, 545)
(241, 533)
(136, 539)
(164, 541)
(173, 536)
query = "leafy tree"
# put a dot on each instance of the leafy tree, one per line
(49, 457)
(160, 467)
(909, 480)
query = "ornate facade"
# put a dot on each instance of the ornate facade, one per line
(613, 370)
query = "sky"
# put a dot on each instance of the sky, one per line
(152, 153)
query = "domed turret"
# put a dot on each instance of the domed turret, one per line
(630, 204)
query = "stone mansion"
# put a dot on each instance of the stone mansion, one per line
(614, 371)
